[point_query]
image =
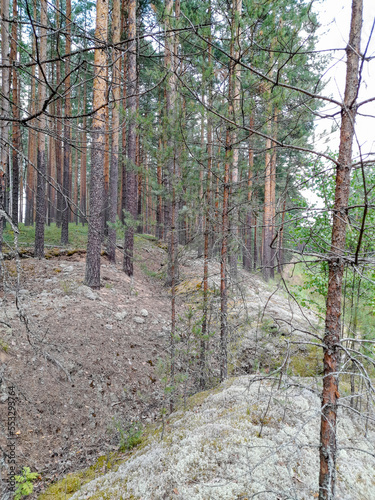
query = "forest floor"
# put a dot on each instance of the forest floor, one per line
(86, 364)
(83, 364)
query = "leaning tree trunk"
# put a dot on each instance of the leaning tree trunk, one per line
(328, 447)
(92, 276)
(41, 157)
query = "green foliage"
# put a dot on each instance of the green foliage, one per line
(26, 238)
(4, 346)
(130, 435)
(24, 483)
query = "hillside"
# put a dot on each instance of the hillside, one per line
(81, 362)
(87, 368)
(251, 438)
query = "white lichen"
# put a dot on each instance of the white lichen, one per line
(252, 438)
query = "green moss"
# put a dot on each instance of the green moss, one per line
(307, 364)
(4, 346)
(72, 483)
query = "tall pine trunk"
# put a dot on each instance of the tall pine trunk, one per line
(67, 135)
(41, 158)
(116, 80)
(131, 176)
(92, 276)
(16, 116)
(207, 225)
(235, 52)
(330, 395)
(58, 128)
(5, 108)
(83, 185)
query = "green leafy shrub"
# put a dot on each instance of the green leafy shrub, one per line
(25, 483)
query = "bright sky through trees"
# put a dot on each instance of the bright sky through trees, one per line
(334, 17)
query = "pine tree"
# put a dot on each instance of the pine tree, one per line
(95, 218)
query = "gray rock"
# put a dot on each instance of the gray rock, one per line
(68, 269)
(108, 326)
(139, 320)
(144, 313)
(120, 316)
(87, 292)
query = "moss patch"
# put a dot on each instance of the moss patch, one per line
(66, 487)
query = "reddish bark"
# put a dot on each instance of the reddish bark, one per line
(330, 395)
(92, 276)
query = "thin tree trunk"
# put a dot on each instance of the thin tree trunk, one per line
(273, 191)
(159, 206)
(106, 170)
(267, 226)
(67, 134)
(92, 275)
(41, 161)
(248, 256)
(32, 143)
(125, 124)
(236, 83)
(58, 126)
(131, 176)
(5, 109)
(330, 395)
(281, 237)
(51, 174)
(116, 80)
(205, 332)
(201, 176)
(224, 245)
(16, 115)
(76, 166)
(83, 186)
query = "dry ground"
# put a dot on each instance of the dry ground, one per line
(81, 362)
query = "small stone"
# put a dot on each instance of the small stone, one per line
(139, 320)
(87, 292)
(108, 326)
(68, 269)
(120, 316)
(144, 313)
